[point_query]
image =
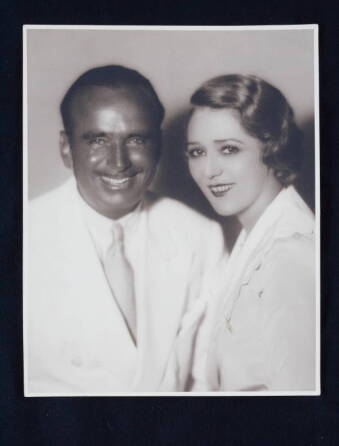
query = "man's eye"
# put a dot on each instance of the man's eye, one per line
(194, 152)
(229, 149)
(136, 140)
(98, 141)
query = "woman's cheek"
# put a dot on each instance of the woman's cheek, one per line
(244, 167)
(195, 172)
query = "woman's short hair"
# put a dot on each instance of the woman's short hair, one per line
(264, 113)
(112, 76)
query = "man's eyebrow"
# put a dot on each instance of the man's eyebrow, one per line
(144, 133)
(91, 135)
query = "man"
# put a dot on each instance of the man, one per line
(117, 278)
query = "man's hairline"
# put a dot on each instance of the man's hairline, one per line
(121, 87)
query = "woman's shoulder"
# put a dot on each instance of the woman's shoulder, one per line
(288, 270)
(293, 249)
(288, 260)
(292, 238)
(294, 218)
(281, 260)
(292, 246)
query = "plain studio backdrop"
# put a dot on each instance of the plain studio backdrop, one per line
(176, 62)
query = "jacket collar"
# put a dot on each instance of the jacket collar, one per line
(286, 215)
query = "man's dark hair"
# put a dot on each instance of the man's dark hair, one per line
(111, 76)
(264, 113)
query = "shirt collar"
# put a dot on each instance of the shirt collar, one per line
(100, 227)
(98, 220)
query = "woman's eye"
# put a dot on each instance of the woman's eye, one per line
(195, 153)
(229, 149)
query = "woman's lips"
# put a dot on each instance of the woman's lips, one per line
(219, 190)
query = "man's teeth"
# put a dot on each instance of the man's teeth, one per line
(115, 181)
(221, 188)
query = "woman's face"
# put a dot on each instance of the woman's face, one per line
(226, 163)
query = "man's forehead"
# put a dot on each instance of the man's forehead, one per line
(132, 99)
(101, 94)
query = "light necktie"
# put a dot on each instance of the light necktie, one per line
(120, 277)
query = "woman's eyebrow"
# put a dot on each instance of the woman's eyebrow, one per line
(229, 139)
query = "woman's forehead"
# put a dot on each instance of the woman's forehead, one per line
(213, 123)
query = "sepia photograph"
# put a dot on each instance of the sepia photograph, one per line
(171, 211)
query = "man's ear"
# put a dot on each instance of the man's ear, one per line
(159, 146)
(65, 150)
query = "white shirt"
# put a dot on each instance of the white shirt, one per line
(263, 328)
(100, 229)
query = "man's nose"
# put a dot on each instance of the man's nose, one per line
(118, 157)
(213, 167)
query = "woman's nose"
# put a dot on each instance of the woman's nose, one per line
(213, 168)
(118, 157)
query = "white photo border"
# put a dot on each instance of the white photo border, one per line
(314, 28)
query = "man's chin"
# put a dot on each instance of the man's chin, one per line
(114, 202)
(119, 204)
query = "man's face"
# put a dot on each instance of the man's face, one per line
(112, 147)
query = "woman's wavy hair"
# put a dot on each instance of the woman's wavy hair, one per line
(264, 113)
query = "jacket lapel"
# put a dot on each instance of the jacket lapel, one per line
(87, 295)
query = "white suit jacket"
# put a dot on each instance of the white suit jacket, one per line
(76, 341)
(261, 333)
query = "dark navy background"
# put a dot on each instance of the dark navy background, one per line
(175, 421)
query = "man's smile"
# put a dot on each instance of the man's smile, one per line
(117, 182)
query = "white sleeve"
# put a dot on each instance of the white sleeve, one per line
(206, 245)
(215, 263)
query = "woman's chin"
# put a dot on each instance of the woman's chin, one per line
(223, 211)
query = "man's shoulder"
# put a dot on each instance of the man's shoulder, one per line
(51, 212)
(173, 212)
(50, 201)
(175, 224)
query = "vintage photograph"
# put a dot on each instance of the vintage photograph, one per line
(171, 206)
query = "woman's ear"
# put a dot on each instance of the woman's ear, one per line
(65, 150)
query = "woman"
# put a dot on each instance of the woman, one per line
(243, 151)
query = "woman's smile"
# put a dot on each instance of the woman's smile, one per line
(220, 189)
